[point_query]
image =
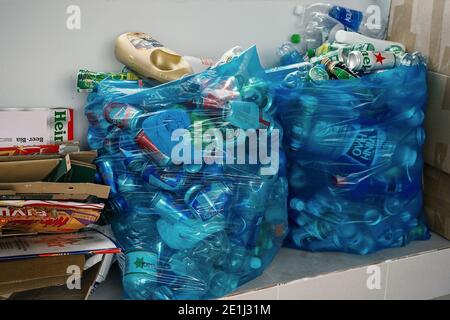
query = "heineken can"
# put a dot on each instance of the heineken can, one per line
(395, 49)
(318, 73)
(329, 47)
(368, 61)
(345, 51)
(333, 56)
(338, 70)
(86, 79)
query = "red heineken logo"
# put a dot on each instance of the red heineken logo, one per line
(380, 58)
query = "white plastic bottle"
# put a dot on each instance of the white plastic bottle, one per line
(356, 38)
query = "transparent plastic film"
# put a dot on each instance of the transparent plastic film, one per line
(198, 179)
(355, 161)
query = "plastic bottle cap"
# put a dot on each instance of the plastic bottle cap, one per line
(255, 263)
(299, 10)
(296, 38)
(311, 53)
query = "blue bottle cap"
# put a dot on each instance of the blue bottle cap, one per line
(159, 127)
(255, 263)
(119, 205)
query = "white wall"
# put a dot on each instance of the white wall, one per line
(40, 57)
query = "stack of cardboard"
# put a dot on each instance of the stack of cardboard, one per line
(39, 163)
(425, 28)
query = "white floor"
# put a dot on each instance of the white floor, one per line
(418, 271)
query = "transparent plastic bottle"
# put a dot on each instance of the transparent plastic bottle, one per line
(288, 54)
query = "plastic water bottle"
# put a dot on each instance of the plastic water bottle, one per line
(297, 78)
(208, 201)
(181, 234)
(288, 54)
(140, 276)
(357, 21)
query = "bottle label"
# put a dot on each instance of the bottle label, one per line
(364, 147)
(141, 262)
(143, 41)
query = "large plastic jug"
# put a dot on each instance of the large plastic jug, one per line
(148, 57)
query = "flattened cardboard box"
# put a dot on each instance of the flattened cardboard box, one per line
(437, 122)
(36, 273)
(37, 267)
(437, 200)
(56, 191)
(423, 26)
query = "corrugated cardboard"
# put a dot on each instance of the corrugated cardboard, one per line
(437, 122)
(27, 171)
(84, 156)
(437, 200)
(58, 191)
(61, 292)
(423, 26)
(28, 274)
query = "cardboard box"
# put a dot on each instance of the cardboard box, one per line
(35, 126)
(34, 177)
(424, 27)
(39, 266)
(437, 200)
(437, 122)
(29, 274)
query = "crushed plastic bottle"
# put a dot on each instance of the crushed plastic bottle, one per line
(320, 22)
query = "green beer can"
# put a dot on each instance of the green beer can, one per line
(86, 79)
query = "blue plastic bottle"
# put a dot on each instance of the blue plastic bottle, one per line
(187, 233)
(207, 201)
(141, 274)
(170, 179)
(350, 18)
(133, 157)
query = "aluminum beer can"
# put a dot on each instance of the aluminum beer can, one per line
(151, 150)
(318, 73)
(368, 61)
(333, 56)
(86, 79)
(395, 49)
(339, 70)
(345, 51)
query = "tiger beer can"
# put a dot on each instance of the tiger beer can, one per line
(369, 61)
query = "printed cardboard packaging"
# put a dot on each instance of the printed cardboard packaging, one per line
(423, 26)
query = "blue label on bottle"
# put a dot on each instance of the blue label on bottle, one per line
(364, 147)
(348, 17)
(141, 262)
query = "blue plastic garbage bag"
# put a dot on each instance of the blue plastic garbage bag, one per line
(197, 176)
(355, 161)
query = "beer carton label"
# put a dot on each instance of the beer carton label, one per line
(32, 127)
